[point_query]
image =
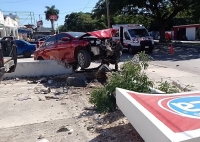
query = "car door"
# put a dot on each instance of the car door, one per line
(127, 39)
(64, 47)
(21, 47)
(50, 52)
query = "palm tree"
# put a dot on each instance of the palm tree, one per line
(51, 11)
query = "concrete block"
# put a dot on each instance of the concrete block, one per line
(79, 81)
(31, 68)
(162, 117)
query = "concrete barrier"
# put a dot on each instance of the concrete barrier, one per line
(29, 68)
(162, 117)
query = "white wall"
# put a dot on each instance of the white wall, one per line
(190, 33)
(38, 68)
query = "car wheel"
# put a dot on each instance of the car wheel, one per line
(83, 59)
(27, 54)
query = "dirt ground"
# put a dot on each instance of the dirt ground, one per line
(47, 110)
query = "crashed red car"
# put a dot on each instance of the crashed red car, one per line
(80, 49)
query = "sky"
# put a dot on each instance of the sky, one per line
(29, 11)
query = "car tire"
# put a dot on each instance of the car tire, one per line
(83, 59)
(27, 54)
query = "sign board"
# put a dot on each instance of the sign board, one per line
(39, 23)
(162, 117)
(53, 17)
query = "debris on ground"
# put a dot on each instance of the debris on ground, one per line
(24, 98)
(52, 97)
(80, 81)
(65, 129)
(74, 100)
(43, 140)
(41, 136)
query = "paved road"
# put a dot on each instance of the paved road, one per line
(184, 58)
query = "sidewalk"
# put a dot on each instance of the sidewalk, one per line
(184, 79)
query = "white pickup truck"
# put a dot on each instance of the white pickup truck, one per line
(8, 56)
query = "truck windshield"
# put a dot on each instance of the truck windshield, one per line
(138, 32)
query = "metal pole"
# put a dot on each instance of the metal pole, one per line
(58, 28)
(108, 13)
(34, 18)
(31, 18)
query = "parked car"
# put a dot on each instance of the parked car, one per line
(8, 55)
(25, 48)
(79, 49)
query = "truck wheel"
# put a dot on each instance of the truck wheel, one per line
(27, 54)
(83, 59)
(130, 50)
(150, 50)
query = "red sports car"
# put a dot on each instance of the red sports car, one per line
(78, 48)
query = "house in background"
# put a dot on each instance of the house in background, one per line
(192, 32)
(2, 30)
(8, 25)
(41, 32)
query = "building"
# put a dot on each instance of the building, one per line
(192, 32)
(2, 32)
(41, 32)
(8, 25)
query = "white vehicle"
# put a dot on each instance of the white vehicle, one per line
(135, 38)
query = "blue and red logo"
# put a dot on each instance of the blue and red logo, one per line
(180, 113)
(188, 106)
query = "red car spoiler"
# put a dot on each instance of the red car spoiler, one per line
(105, 33)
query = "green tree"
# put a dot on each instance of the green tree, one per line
(161, 11)
(51, 11)
(81, 22)
(62, 28)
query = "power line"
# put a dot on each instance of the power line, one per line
(14, 1)
(86, 5)
(25, 20)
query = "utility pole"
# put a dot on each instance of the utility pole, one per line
(108, 13)
(31, 18)
(34, 18)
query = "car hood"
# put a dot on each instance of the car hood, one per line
(101, 34)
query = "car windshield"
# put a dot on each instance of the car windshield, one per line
(138, 32)
(76, 34)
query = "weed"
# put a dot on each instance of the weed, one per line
(167, 87)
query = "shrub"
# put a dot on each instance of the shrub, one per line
(132, 77)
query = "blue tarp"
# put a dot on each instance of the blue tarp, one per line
(24, 31)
